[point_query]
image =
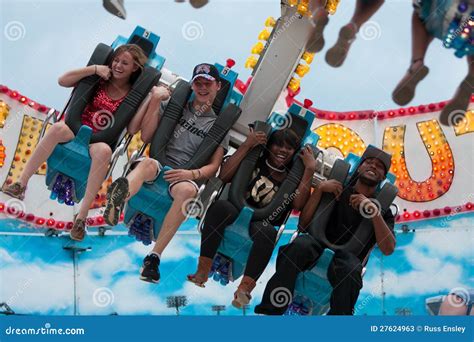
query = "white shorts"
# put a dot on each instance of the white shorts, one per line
(136, 162)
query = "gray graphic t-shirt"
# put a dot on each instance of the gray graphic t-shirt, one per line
(189, 133)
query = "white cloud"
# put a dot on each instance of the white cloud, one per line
(36, 287)
(437, 260)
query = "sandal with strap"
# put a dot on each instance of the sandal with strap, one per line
(405, 90)
(117, 193)
(241, 298)
(196, 280)
(336, 55)
(78, 230)
(316, 41)
(15, 190)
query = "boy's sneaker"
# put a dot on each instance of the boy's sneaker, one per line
(150, 271)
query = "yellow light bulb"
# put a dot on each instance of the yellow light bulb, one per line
(331, 6)
(292, 2)
(264, 35)
(251, 62)
(302, 70)
(308, 57)
(258, 48)
(302, 8)
(270, 22)
(294, 84)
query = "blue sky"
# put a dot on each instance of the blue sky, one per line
(56, 36)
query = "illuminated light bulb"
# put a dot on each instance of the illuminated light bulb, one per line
(292, 2)
(294, 84)
(251, 62)
(270, 22)
(331, 6)
(308, 57)
(302, 70)
(257, 48)
(264, 35)
(303, 7)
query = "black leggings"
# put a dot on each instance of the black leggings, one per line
(221, 215)
(344, 274)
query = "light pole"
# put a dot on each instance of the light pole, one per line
(176, 302)
(403, 312)
(75, 249)
(244, 309)
(218, 309)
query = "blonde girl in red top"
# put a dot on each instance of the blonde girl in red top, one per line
(127, 61)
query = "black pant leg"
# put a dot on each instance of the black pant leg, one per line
(293, 258)
(345, 276)
(264, 238)
(220, 215)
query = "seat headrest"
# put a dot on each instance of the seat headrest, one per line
(221, 96)
(373, 152)
(145, 44)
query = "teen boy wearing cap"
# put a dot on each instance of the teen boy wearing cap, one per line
(197, 119)
(345, 272)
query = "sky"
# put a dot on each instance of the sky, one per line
(42, 39)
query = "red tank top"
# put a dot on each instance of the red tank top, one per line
(99, 113)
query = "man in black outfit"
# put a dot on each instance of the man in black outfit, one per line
(345, 271)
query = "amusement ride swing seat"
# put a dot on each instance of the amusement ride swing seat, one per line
(69, 164)
(313, 289)
(231, 258)
(144, 221)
